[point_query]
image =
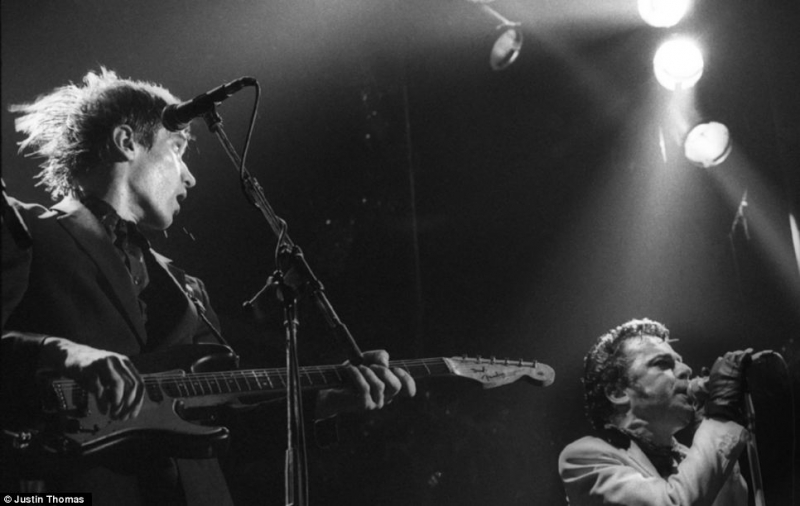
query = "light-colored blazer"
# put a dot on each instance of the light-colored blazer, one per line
(595, 472)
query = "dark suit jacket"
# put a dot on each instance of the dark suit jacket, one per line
(71, 283)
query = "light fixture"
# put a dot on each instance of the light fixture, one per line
(663, 13)
(678, 63)
(508, 45)
(708, 144)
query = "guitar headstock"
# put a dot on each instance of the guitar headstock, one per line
(493, 373)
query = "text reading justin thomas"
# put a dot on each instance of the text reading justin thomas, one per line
(85, 499)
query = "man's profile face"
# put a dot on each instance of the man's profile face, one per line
(657, 384)
(159, 179)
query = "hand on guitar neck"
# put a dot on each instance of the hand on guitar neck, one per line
(376, 385)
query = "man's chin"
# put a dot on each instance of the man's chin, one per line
(156, 225)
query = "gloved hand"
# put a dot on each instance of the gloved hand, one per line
(725, 386)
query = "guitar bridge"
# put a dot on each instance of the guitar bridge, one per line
(71, 425)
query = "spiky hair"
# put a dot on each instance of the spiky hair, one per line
(606, 365)
(71, 127)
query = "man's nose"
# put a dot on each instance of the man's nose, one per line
(683, 371)
(188, 178)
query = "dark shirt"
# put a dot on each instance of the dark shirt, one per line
(129, 241)
(162, 474)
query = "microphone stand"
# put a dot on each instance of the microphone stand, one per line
(292, 278)
(749, 408)
(752, 451)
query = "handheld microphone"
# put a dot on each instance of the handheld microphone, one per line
(176, 117)
(697, 391)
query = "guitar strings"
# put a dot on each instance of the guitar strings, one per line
(309, 372)
(431, 365)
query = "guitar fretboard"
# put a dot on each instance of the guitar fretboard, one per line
(247, 381)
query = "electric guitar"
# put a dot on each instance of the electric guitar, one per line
(78, 428)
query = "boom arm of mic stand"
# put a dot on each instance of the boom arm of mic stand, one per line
(256, 195)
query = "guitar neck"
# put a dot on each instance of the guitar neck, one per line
(249, 381)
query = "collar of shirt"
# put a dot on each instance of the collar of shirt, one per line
(664, 458)
(116, 227)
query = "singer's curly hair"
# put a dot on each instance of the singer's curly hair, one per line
(606, 365)
(71, 127)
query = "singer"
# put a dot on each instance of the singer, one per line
(85, 295)
(637, 398)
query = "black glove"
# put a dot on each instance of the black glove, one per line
(725, 387)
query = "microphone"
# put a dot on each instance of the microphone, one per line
(176, 117)
(697, 390)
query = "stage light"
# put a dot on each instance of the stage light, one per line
(678, 64)
(508, 45)
(506, 48)
(708, 144)
(663, 13)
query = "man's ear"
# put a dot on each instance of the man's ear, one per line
(617, 395)
(124, 145)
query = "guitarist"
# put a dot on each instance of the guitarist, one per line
(83, 291)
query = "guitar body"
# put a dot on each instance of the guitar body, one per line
(193, 358)
(160, 424)
(81, 429)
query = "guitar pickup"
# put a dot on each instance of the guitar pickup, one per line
(153, 389)
(65, 397)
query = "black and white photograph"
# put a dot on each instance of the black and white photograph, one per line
(400, 252)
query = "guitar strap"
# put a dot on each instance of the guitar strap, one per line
(201, 311)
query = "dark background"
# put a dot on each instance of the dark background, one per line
(450, 209)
